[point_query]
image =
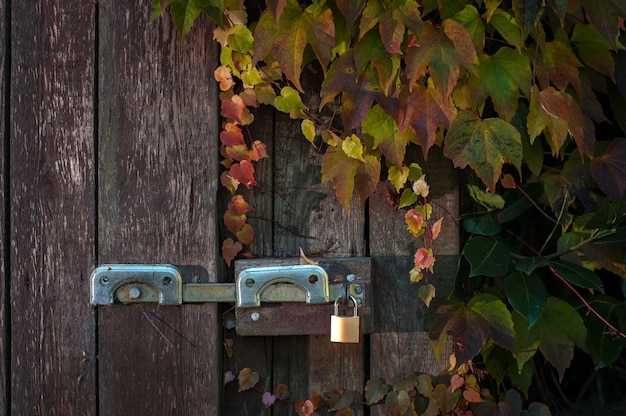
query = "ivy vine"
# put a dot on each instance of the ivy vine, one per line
(527, 97)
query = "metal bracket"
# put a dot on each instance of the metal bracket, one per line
(164, 278)
(252, 282)
(139, 283)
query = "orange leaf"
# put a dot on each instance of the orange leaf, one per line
(508, 182)
(456, 382)
(245, 234)
(317, 400)
(304, 408)
(234, 222)
(231, 135)
(472, 395)
(436, 229)
(238, 153)
(238, 205)
(247, 379)
(230, 249)
(282, 392)
(224, 76)
(415, 221)
(258, 151)
(229, 182)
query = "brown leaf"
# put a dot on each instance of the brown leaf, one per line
(247, 379)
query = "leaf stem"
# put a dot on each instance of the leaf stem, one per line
(545, 214)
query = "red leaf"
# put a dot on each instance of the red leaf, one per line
(231, 135)
(239, 152)
(233, 108)
(230, 249)
(472, 395)
(243, 172)
(609, 170)
(456, 382)
(423, 259)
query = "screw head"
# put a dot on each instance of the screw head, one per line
(255, 316)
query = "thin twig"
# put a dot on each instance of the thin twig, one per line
(170, 343)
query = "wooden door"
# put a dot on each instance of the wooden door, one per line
(110, 143)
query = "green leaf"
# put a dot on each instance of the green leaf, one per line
(484, 145)
(353, 147)
(392, 19)
(296, 29)
(507, 27)
(593, 49)
(426, 293)
(471, 20)
(184, 14)
(501, 77)
(241, 39)
(350, 9)
(471, 325)
(403, 381)
(481, 223)
(484, 198)
(556, 64)
(408, 198)
(370, 50)
(398, 402)
(527, 14)
(604, 15)
(526, 294)
(487, 257)
(398, 176)
(384, 132)
(577, 275)
(375, 390)
(308, 129)
(555, 334)
(348, 174)
(605, 346)
(289, 101)
(440, 53)
(530, 264)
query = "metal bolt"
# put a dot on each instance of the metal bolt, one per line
(358, 289)
(134, 292)
(350, 278)
(255, 316)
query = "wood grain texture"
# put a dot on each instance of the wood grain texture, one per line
(399, 343)
(51, 210)
(309, 216)
(158, 142)
(4, 141)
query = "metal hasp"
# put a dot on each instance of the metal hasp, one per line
(164, 278)
(252, 282)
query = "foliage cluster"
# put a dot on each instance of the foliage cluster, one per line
(526, 96)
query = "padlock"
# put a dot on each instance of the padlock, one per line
(345, 328)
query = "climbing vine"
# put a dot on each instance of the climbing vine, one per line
(527, 97)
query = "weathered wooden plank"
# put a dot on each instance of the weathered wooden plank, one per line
(157, 203)
(308, 216)
(4, 305)
(53, 351)
(399, 343)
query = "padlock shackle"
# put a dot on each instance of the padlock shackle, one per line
(350, 298)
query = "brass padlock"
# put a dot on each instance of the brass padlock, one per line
(345, 328)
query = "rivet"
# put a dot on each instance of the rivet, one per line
(255, 316)
(134, 292)
(358, 290)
